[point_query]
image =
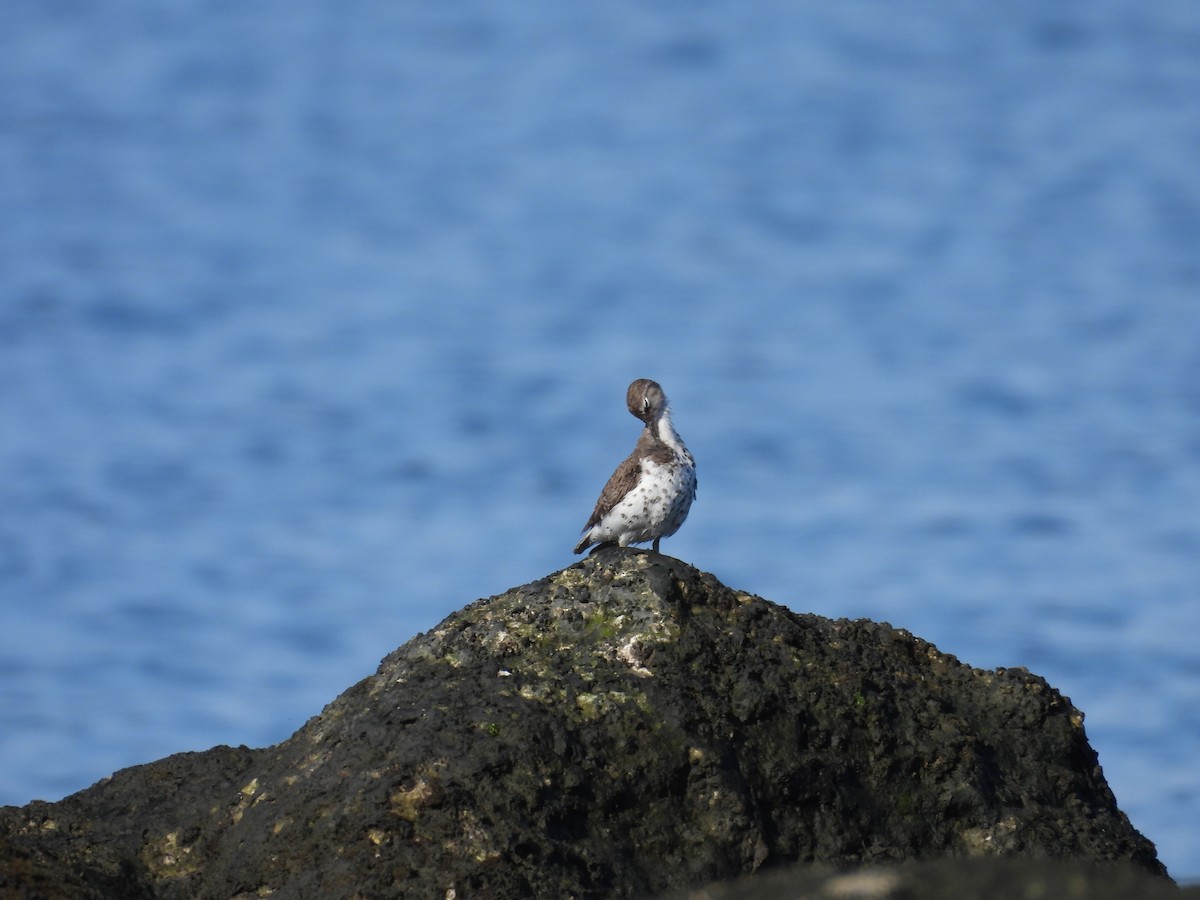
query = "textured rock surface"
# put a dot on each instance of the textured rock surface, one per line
(952, 879)
(624, 727)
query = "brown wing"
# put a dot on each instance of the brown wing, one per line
(622, 480)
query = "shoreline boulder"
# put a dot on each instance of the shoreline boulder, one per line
(625, 727)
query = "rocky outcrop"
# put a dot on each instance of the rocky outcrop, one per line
(625, 727)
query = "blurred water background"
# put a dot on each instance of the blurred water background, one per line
(316, 320)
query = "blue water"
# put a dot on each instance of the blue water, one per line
(316, 320)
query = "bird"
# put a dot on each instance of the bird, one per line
(650, 493)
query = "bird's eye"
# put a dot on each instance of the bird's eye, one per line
(645, 403)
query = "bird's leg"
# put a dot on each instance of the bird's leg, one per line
(655, 544)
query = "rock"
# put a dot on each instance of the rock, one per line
(625, 727)
(997, 878)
